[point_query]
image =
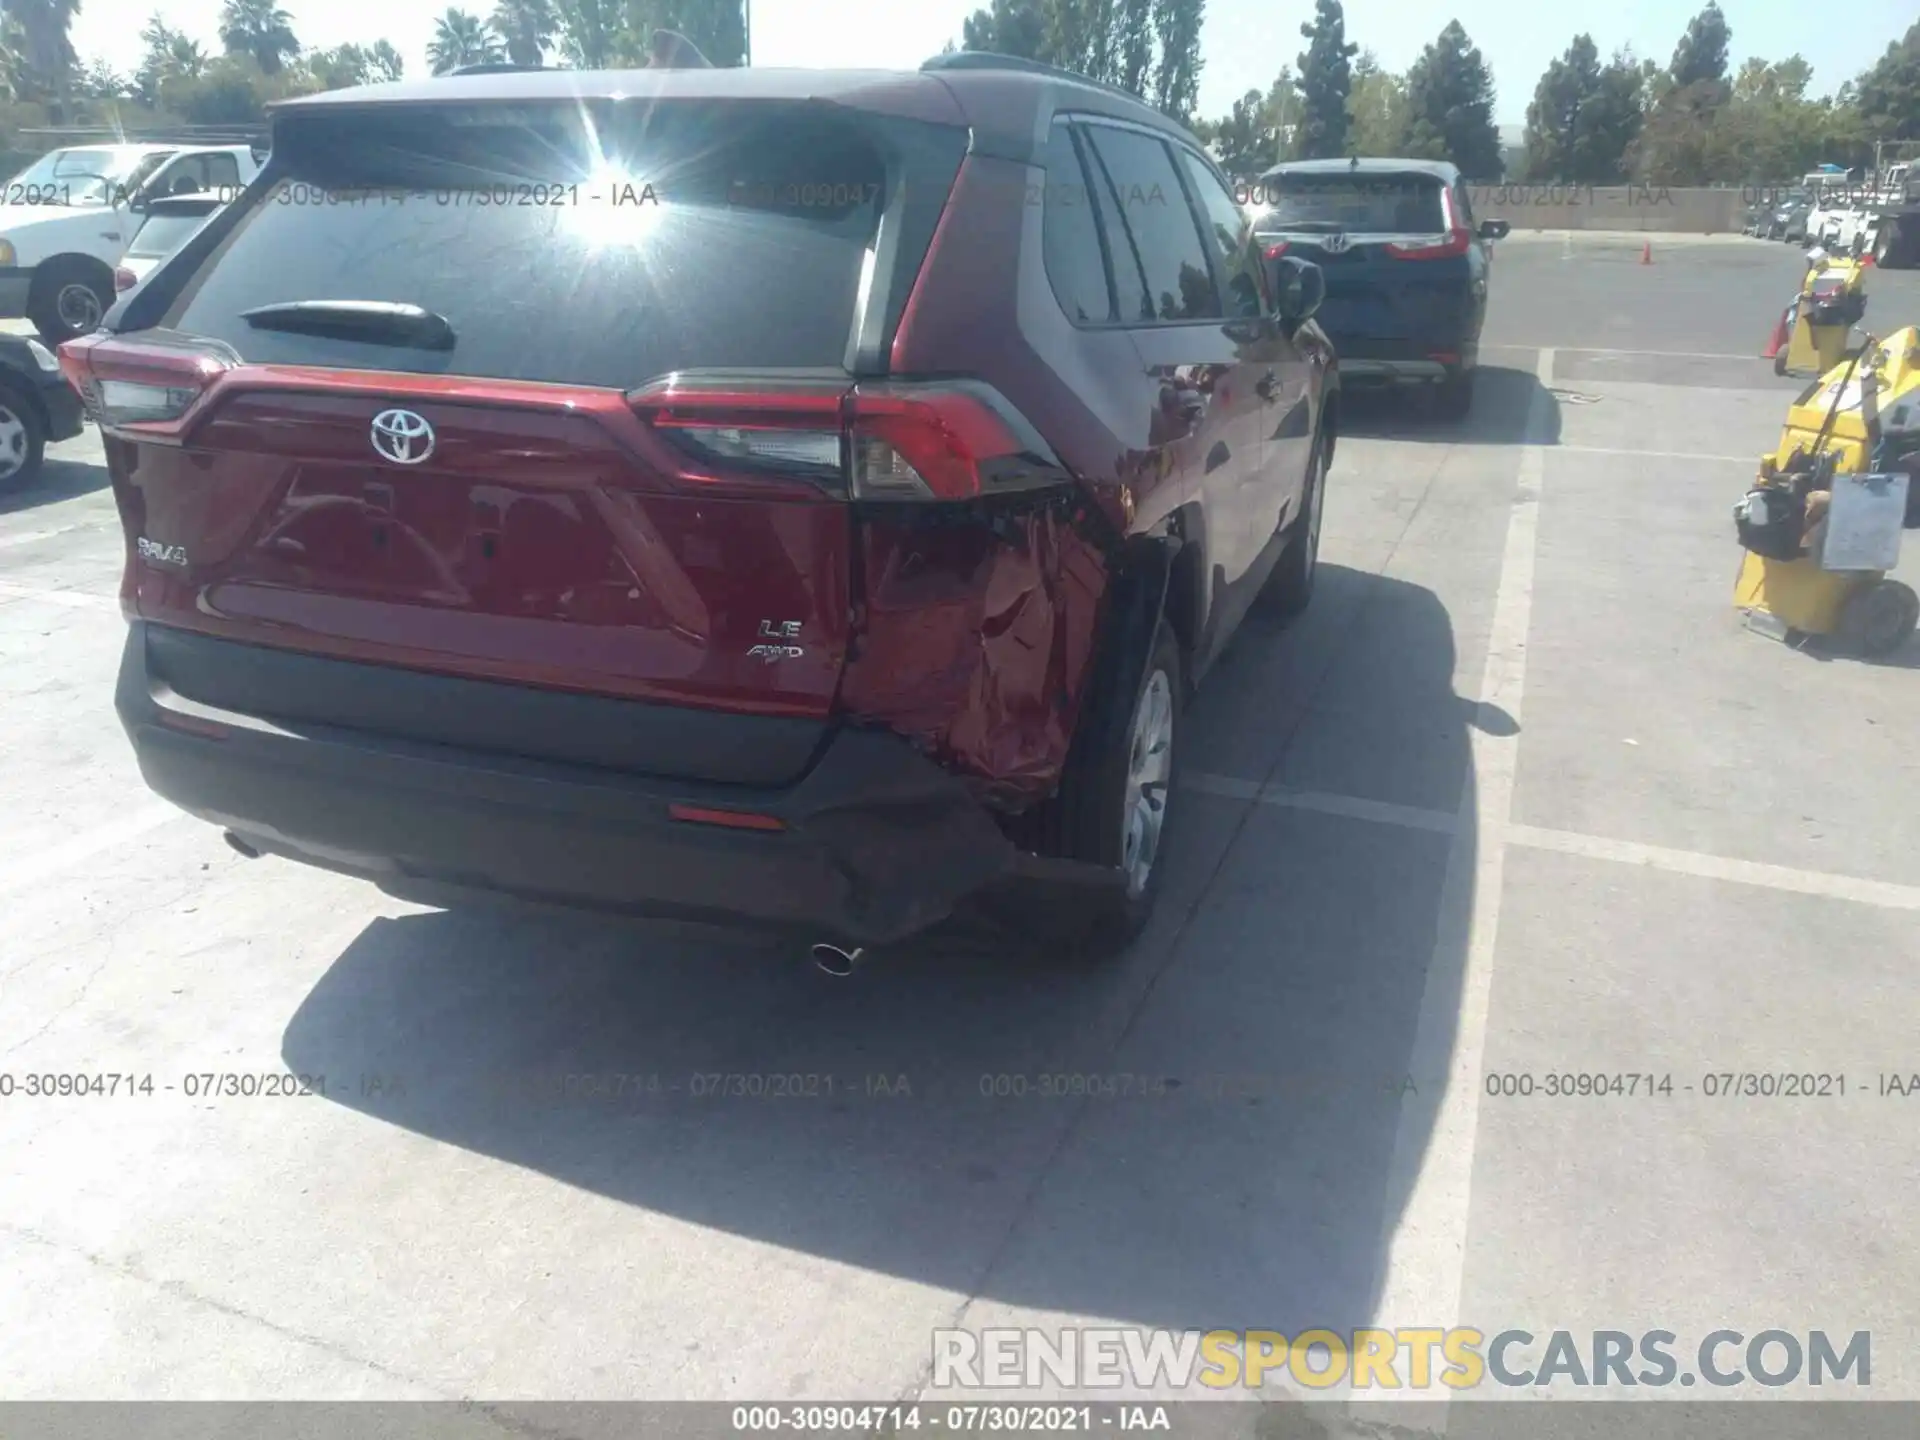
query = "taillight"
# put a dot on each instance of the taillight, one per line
(124, 279)
(1276, 249)
(953, 440)
(1456, 241)
(147, 381)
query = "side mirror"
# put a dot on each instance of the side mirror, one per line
(1495, 229)
(1298, 287)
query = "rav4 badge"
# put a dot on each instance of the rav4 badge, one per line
(162, 554)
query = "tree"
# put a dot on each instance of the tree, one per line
(1326, 83)
(383, 62)
(1677, 144)
(1245, 141)
(1609, 123)
(1889, 93)
(593, 33)
(1376, 109)
(97, 80)
(1011, 27)
(1701, 55)
(1134, 45)
(527, 27)
(43, 51)
(461, 38)
(1570, 84)
(1176, 79)
(260, 29)
(717, 28)
(1450, 106)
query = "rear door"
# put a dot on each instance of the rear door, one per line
(1208, 373)
(1394, 251)
(481, 496)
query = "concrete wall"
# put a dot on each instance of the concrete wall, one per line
(1611, 207)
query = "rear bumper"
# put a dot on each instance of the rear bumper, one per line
(879, 842)
(65, 416)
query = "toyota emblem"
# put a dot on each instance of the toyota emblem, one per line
(402, 436)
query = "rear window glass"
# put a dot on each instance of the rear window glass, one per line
(599, 244)
(164, 234)
(1378, 204)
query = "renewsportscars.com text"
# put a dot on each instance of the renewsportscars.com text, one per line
(1461, 1358)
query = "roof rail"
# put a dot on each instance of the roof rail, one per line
(494, 67)
(173, 135)
(992, 60)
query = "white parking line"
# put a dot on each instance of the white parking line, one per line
(73, 599)
(1432, 1164)
(1752, 461)
(1719, 867)
(1670, 354)
(1887, 894)
(1408, 817)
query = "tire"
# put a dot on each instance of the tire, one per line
(1453, 400)
(1289, 589)
(1117, 803)
(1878, 618)
(23, 440)
(70, 296)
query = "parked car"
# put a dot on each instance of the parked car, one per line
(1789, 220)
(168, 224)
(826, 537)
(66, 219)
(37, 405)
(1406, 267)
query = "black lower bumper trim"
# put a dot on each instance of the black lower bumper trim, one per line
(880, 842)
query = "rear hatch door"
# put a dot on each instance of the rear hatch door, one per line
(473, 489)
(1393, 253)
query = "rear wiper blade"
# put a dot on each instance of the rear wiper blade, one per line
(377, 322)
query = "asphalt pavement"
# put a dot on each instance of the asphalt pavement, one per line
(1518, 798)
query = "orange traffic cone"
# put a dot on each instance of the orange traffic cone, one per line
(1646, 252)
(1779, 340)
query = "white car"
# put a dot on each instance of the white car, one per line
(66, 220)
(168, 223)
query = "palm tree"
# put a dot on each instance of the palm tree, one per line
(527, 26)
(461, 38)
(261, 29)
(383, 62)
(183, 59)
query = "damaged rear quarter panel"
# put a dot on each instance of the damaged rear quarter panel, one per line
(975, 643)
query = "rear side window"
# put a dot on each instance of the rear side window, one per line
(1076, 265)
(1381, 204)
(601, 244)
(164, 234)
(1155, 217)
(1226, 223)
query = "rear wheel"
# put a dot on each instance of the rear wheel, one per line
(1879, 617)
(70, 297)
(23, 439)
(1116, 802)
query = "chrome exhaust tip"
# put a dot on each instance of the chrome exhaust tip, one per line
(235, 843)
(832, 960)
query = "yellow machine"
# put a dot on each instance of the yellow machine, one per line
(1857, 428)
(1832, 300)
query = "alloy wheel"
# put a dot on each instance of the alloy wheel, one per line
(1149, 769)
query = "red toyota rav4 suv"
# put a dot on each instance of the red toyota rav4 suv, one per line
(783, 496)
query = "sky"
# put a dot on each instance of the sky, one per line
(1244, 44)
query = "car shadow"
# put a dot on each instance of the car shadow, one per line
(1219, 1129)
(1502, 404)
(58, 480)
